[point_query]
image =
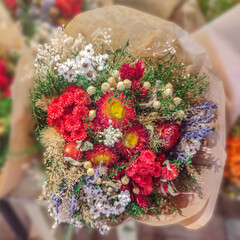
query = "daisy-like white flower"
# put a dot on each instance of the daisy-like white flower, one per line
(118, 208)
(94, 212)
(106, 210)
(101, 60)
(101, 198)
(89, 49)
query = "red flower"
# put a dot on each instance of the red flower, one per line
(143, 170)
(117, 109)
(5, 79)
(169, 133)
(147, 156)
(69, 8)
(132, 73)
(134, 140)
(170, 172)
(67, 112)
(101, 153)
(71, 150)
(161, 158)
(141, 201)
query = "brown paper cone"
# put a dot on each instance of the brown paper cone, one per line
(148, 35)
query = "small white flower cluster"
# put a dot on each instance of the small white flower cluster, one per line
(111, 135)
(100, 203)
(86, 63)
(58, 50)
(190, 147)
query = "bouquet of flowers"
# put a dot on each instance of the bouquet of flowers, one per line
(124, 135)
(7, 65)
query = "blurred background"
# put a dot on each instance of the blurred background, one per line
(24, 24)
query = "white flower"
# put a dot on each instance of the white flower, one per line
(118, 208)
(106, 210)
(95, 212)
(111, 135)
(124, 197)
(190, 147)
(101, 198)
(89, 49)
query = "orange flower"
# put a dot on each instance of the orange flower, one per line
(232, 168)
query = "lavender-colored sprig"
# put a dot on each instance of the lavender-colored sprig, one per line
(196, 126)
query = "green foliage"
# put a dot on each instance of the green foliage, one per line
(168, 69)
(5, 110)
(212, 9)
(52, 86)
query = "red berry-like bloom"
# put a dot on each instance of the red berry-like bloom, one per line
(5, 79)
(170, 172)
(134, 140)
(143, 170)
(169, 133)
(117, 109)
(132, 73)
(67, 113)
(73, 151)
(69, 8)
(101, 153)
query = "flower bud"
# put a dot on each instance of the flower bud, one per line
(92, 114)
(127, 83)
(99, 181)
(115, 74)
(112, 82)
(167, 93)
(110, 189)
(169, 85)
(105, 87)
(177, 100)
(121, 86)
(156, 104)
(90, 172)
(87, 165)
(180, 114)
(125, 180)
(136, 190)
(91, 90)
(147, 85)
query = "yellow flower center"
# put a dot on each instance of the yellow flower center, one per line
(131, 140)
(105, 158)
(116, 109)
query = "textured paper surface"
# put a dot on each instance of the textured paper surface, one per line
(148, 35)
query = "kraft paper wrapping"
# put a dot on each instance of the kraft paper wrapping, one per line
(185, 13)
(150, 35)
(221, 40)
